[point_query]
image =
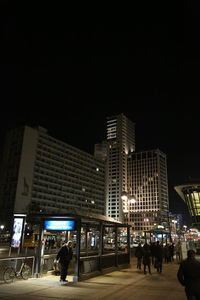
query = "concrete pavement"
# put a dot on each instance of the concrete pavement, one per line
(124, 284)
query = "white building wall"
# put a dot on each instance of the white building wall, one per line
(25, 177)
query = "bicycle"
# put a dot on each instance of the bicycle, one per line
(11, 273)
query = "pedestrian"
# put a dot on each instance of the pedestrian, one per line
(64, 257)
(139, 254)
(166, 253)
(171, 252)
(178, 252)
(189, 276)
(152, 249)
(146, 258)
(158, 257)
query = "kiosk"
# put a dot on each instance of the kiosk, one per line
(157, 234)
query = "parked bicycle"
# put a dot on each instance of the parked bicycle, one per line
(11, 273)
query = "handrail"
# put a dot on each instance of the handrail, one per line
(18, 257)
(97, 256)
(21, 257)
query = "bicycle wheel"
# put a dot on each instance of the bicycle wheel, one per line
(26, 272)
(9, 275)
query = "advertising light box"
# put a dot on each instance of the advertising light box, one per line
(17, 232)
(59, 225)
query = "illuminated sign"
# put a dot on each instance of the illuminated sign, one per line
(59, 224)
(159, 235)
(17, 232)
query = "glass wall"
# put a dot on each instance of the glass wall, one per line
(109, 239)
(122, 239)
(90, 240)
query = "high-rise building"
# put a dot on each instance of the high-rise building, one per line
(148, 184)
(120, 143)
(40, 173)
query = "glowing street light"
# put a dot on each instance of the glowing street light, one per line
(127, 200)
(185, 227)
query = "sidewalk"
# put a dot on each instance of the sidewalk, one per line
(124, 284)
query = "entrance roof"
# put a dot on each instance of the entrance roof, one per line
(87, 217)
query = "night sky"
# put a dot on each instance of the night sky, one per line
(68, 69)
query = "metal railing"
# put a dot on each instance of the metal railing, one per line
(16, 262)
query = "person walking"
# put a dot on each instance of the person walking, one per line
(178, 252)
(64, 257)
(158, 257)
(152, 249)
(171, 252)
(189, 276)
(139, 254)
(166, 253)
(146, 258)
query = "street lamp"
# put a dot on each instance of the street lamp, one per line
(2, 227)
(127, 200)
(185, 227)
(174, 222)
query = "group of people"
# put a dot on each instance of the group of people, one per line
(188, 273)
(153, 255)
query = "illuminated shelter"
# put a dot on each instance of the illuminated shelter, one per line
(190, 193)
(157, 234)
(101, 243)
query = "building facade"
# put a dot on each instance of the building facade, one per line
(42, 174)
(148, 184)
(190, 193)
(120, 143)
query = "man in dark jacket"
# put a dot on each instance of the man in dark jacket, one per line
(189, 276)
(64, 256)
(139, 254)
(146, 258)
(158, 257)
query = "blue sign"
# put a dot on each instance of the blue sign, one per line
(159, 236)
(59, 224)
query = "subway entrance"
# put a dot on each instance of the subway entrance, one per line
(100, 244)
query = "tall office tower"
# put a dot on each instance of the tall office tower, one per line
(120, 142)
(44, 175)
(147, 181)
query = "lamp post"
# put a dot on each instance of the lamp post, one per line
(1, 231)
(2, 227)
(127, 200)
(185, 227)
(174, 227)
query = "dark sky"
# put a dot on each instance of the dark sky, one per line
(67, 69)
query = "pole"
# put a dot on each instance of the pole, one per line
(39, 252)
(101, 246)
(77, 264)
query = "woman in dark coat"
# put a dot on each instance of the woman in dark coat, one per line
(146, 258)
